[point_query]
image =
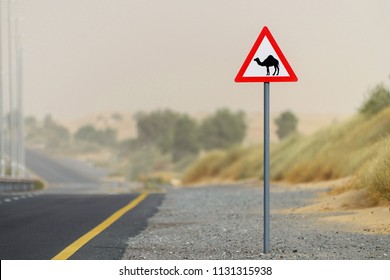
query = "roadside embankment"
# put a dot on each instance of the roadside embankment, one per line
(358, 147)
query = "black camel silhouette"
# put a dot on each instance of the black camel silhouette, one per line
(268, 62)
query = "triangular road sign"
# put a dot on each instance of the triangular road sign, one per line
(265, 62)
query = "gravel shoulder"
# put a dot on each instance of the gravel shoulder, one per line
(225, 222)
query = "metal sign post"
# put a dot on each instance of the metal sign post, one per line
(266, 168)
(265, 56)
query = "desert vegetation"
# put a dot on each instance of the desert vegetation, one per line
(170, 145)
(165, 144)
(286, 124)
(358, 147)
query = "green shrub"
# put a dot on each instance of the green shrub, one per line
(378, 99)
(222, 130)
(286, 124)
(38, 185)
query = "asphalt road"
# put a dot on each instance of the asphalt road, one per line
(57, 171)
(39, 225)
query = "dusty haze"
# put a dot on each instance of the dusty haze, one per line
(86, 56)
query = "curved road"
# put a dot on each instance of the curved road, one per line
(40, 225)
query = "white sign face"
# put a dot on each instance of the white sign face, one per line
(265, 62)
(258, 67)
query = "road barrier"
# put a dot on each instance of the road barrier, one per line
(17, 184)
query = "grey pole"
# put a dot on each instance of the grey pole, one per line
(2, 156)
(11, 93)
(19, 103)
(266, 167)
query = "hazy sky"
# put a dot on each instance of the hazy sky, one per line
(87, 56)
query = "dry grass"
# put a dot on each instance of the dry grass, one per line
(235, 164)
(339, 150)
(374, 176)
(360, 146)
(206, 167)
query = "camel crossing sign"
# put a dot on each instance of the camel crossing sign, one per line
(265, 62)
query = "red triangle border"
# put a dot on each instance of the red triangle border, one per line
(265, 33)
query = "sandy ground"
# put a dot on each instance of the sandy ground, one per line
(344, 208)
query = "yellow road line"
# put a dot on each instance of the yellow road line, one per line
(72, 248)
